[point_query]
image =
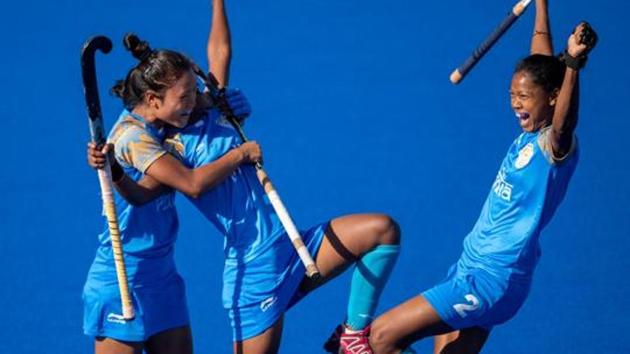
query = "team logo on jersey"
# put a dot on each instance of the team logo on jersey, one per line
(175, 146)
(524, 156)
(463, 309)
(267, 303)
(501, 187)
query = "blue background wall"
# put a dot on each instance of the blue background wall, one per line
(354, 110)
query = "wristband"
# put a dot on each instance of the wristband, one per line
(575, 63)
(117, 172)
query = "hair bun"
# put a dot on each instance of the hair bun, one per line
(139, 49)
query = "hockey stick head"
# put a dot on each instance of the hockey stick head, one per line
(90, 87)
(95, 43)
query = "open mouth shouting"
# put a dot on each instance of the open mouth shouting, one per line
(523, 118)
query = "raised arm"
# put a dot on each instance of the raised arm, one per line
(219, 48)
(541, 37)
(219, 57)
(565, 116)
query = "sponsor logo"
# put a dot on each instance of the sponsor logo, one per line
(267, 303)
(463, 309)
(501, 188)
(524, 156)
(114, 318)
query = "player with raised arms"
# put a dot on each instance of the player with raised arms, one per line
(492, 278)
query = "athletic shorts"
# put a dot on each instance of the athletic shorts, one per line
(157, 308)
(475, 299)
(269, 291)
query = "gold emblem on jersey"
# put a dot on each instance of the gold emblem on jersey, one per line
(174, 145)
(524, 156)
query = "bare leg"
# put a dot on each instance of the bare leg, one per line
(347, 239)
(172, 341)
(441, 340)
(104, 345)
(267, 342)
(465, 341)
(406, 323)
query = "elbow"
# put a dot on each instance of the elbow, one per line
(194, 190)
(190, 184)
(194, 195)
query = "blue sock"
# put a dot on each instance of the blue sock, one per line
(368, 279)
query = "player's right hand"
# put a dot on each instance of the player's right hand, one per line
(96, 157)
(251, 152)
(582, 40)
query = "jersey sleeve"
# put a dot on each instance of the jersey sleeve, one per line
(544, 141)
(136, 148)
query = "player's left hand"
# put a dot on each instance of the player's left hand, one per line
(97, 157)
(582, 40)
(236, 103)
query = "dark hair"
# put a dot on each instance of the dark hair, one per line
(157, 71)
(545, 70)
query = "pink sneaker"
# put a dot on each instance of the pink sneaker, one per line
(355, 342)
(332, 344)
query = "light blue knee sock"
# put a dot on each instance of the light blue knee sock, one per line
(368, 279)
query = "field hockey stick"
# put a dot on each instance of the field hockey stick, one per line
(483, 48)
(311, 268)
(104, 175)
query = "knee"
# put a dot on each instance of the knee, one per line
(381, 338)
(388, 230)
